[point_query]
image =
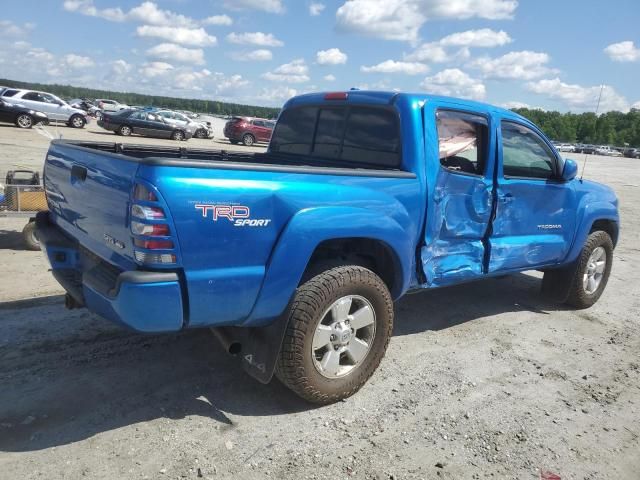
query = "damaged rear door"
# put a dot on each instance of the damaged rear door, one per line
(460, 146)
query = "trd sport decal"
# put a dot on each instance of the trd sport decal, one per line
(239, 215)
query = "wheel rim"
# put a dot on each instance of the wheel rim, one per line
(177, 136)
(77, 122)
(594, 272)
(248, 140)
(24, 121)
(344, 336)
(125, 131)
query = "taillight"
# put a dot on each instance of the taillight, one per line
(158, 229)
(150, 229)
(146, 212)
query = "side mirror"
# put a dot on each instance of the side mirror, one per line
(569, 171)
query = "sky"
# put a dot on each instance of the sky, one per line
(549, 54)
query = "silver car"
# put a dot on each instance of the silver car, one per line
(200, 129)
(56, 109)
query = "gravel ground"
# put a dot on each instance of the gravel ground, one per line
(485, 380)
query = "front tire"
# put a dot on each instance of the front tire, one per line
(339, 327)
(592, 273)
(24, 121)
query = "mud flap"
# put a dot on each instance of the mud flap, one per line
(556, 284)
(261, 347)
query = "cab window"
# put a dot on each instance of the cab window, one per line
(525, 154)
(462, 141)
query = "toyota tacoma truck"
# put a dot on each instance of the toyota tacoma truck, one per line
(294, 257)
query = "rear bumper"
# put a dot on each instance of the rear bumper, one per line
(142, 300)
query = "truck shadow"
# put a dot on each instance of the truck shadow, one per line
(12, 239)
(66, 385)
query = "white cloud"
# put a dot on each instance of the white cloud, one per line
(277, 94)
(78, 61)
(391, 66)
(10, 29)
(623, 52)
(146, 12)
(636, 105)
(195, 37)
(483, 38)
(218, 20)
(316, 9)
(260, 55)
(332, 56)
(439, 51)
(120, 67)
(254, 38)
(295, 71)
(523, 65)
(330, 78)
(456, 83)
(176, 53)
(513, 105)
(579, 97)
(402, 19)
(154, 69)
(270, 6)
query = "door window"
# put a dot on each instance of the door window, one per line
(462, 141)
(34, 96)
(525, 153)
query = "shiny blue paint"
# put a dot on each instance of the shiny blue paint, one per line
(440, 227)
(145, 307)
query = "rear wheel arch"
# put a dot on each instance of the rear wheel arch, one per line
(373, 254)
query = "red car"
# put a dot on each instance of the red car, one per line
(248, 130)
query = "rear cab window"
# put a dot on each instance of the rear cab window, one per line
(356, 136)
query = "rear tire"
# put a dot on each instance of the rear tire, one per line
(30, 236)
(201, 133)
(339, 327)
(77, 121)
(248, 140)
(24, 121)
(177, 135)
(592, 273)
(125, 130)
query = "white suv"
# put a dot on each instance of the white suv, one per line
(58, 110)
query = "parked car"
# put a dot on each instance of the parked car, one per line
(110, 105)
(591, 149)
(248, 130)
(22, 117)
(200, 129)
(609, 151)
(632, 153)
(577, 148)
(84, 104)
(148, 124)
(565, 147)
(56, 109)
(303, 249)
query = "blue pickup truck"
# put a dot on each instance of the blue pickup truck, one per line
(293, 257)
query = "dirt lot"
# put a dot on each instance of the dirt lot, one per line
(480, 381)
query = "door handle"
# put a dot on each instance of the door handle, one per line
(78, 173)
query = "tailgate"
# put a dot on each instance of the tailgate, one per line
(89, 194)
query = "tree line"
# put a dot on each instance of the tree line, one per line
(201, 106)
(611, 128)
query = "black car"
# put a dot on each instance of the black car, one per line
(632, 153)
(591, 149)
(139, 122)
(22, 117)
